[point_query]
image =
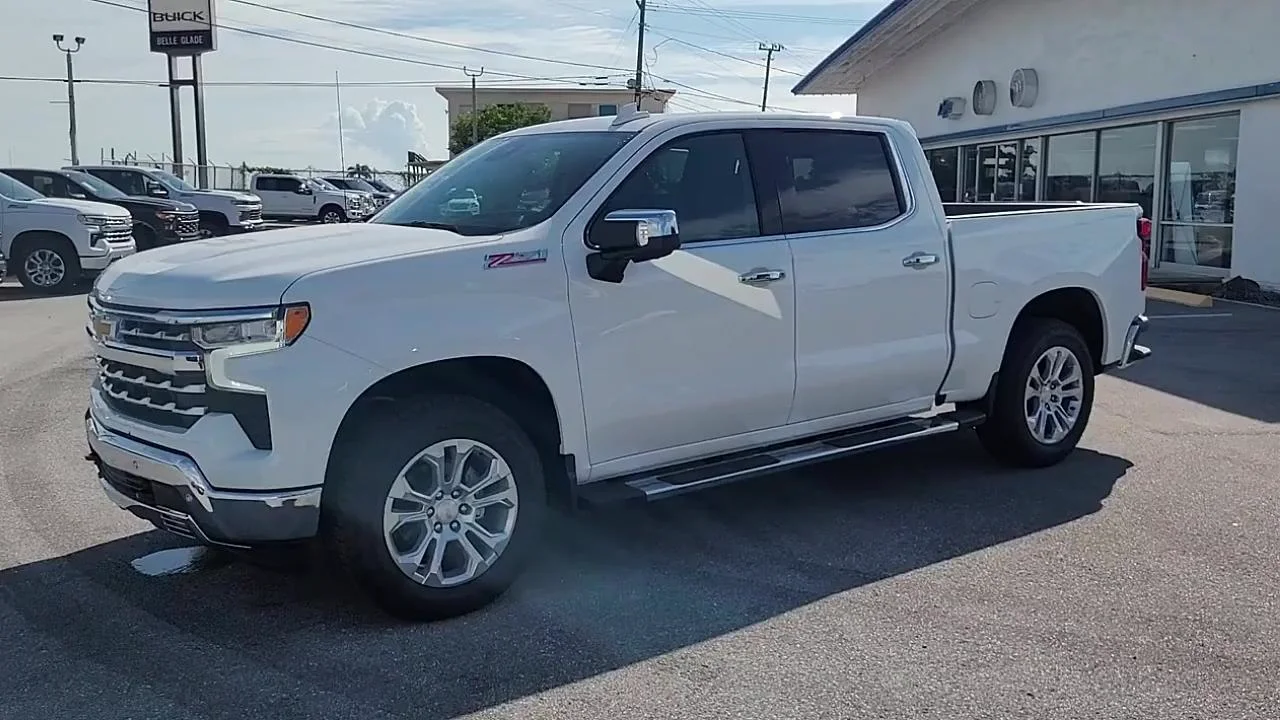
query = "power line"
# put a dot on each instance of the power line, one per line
(512, 82)
(735, 38)
(752, 15)
(419, 38)
(722, 54)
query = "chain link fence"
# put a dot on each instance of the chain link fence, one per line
(236, 177)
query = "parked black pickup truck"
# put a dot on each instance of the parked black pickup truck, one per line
(156, 221)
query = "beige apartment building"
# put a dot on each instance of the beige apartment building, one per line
(564, 103)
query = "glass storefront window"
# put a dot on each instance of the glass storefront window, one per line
(970, 175)
(1070, 166)
(1127, 165)
(1029, 150)
(945, 164)
(1199, 194)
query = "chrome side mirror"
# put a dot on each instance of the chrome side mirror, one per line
(626, 236)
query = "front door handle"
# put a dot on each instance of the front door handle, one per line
(919, 260)
(761, 276)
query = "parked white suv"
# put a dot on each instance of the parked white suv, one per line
(51, 243)
(640, 306)
(293, 197)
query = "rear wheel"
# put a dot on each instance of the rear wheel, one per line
(1044, 395)
(435, 505)
(48, 264)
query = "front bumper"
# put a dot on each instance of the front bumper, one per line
(110, 253)
(1132, 352)
(169, 490)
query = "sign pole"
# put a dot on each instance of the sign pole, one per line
(202, 150)
(175, 114)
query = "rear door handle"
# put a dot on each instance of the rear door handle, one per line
(761, 276)
(919, 260)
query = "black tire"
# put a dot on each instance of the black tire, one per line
(331, 214)
(1006, 433)
(366, 464)
(144, 237)
(213, 226)
(54, 251)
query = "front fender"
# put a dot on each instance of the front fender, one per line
(408, 311)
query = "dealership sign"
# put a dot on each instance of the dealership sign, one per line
(181, 27)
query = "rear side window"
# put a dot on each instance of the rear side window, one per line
(835, 180)
(130, 182)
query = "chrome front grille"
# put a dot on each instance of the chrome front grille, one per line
(152, 396)
(148, 367)
(187, 224)
(117, 230)
(250, 213)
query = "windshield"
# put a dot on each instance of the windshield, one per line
(14, 190)
(505, 183)
(379, 185)
(358, 184)
(173, 181)
(97, 186)
(323, 184)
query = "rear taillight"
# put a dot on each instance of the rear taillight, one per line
(1144, 236)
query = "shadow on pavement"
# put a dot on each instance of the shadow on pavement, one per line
(613, 588)
(1228, 363)
(10, 292)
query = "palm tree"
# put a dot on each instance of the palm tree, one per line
(361, 171)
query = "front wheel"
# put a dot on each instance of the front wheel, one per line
(48, 265)
(435, 505)
(1044, 395)
(332, 214)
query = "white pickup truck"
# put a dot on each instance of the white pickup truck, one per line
(53, 243)
(293, 197)
(691, 300)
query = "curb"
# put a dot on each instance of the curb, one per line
(1179, 297)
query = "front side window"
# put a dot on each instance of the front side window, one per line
(13, 190)
(835, 180)
(129, 182)
(505, 183)
(705, 179)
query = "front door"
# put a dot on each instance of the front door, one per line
(872, 287)
(697, 346)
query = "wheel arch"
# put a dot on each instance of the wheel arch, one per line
(511, 385)
(25, 238)
(1076, 306)
(331, 206)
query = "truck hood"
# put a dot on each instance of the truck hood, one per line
(154, 203)
(233, 195)
(254, 269)
(87, 207)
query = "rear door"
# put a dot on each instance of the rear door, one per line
(872, 281)
(697, 346)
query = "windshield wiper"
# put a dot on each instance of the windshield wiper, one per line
(430, 225)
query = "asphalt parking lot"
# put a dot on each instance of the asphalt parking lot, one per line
(1137, 580)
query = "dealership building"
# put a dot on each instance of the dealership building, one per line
(1171, 104)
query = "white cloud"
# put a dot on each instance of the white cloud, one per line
(391, 103)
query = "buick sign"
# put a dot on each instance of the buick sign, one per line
(182, 27)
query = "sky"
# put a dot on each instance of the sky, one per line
(270, 98)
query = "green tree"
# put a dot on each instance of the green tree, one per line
(361, 171)
(494, 120)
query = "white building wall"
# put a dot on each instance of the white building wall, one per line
(1089, 55)
(1256, 254)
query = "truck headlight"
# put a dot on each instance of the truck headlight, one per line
(274, 330)
(94, 224)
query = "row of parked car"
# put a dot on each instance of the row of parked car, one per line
(59, 226)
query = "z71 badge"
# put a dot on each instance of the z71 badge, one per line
(507, 259)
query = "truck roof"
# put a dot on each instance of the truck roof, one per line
(632, 122)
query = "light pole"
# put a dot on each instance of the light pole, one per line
(71, 92)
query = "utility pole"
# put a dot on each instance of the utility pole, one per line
(640, 54)
(769, 48)
(342, 154)
(71, 92)
(475, 108)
